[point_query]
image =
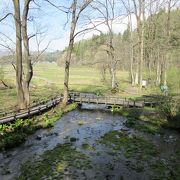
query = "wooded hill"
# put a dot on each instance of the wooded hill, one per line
(161, 50)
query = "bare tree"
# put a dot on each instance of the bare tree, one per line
(142, 9)
(132, 44)
(19, 67)
(28, 70)
(74, 20)
(107, 13)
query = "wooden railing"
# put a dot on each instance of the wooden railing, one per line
(110, 101)
(30, 111)
(73, 97)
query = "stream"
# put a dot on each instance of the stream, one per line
(81, 127)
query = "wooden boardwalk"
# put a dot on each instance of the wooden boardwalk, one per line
(30, 111)
(73, 97)
(110, 101)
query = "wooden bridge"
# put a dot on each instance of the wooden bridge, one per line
(108, 101)
(73, 97)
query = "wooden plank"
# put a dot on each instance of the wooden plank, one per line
(30, 111)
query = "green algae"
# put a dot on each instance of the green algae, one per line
(136, 149)
(141, 126)
(57, 163)
(131, 146)
(142, 155)
(87, 146)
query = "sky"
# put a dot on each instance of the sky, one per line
(50, 23)
(52, 27)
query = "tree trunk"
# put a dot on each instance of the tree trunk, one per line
(137, 74)
(19, 68)
(158, 73)
(27, 58)
(142, 46)
(69, 53)
(66, 76)
(113, 80)
(131, 66)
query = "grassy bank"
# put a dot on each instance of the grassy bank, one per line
(148, 120)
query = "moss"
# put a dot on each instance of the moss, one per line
(165, 170)
(86, 146)
(141, 126)
(70, 107)
(11, 140)
(53, 164)
(137, 150)
(147, 128)
(81, 122)
(152, 117)
(159, 167)
(131, 146)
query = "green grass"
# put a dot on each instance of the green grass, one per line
(48, 81)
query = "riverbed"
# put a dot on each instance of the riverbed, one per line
(84, 131)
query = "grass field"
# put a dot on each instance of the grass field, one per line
(48, 81)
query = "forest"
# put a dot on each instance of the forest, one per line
(89, 89)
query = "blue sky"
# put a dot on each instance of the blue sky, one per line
(46, 19)
(51, 22)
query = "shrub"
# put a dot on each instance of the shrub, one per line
(171, 110)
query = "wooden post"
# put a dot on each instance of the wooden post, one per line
(88, 100)
(134, 103)
(81, 100)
